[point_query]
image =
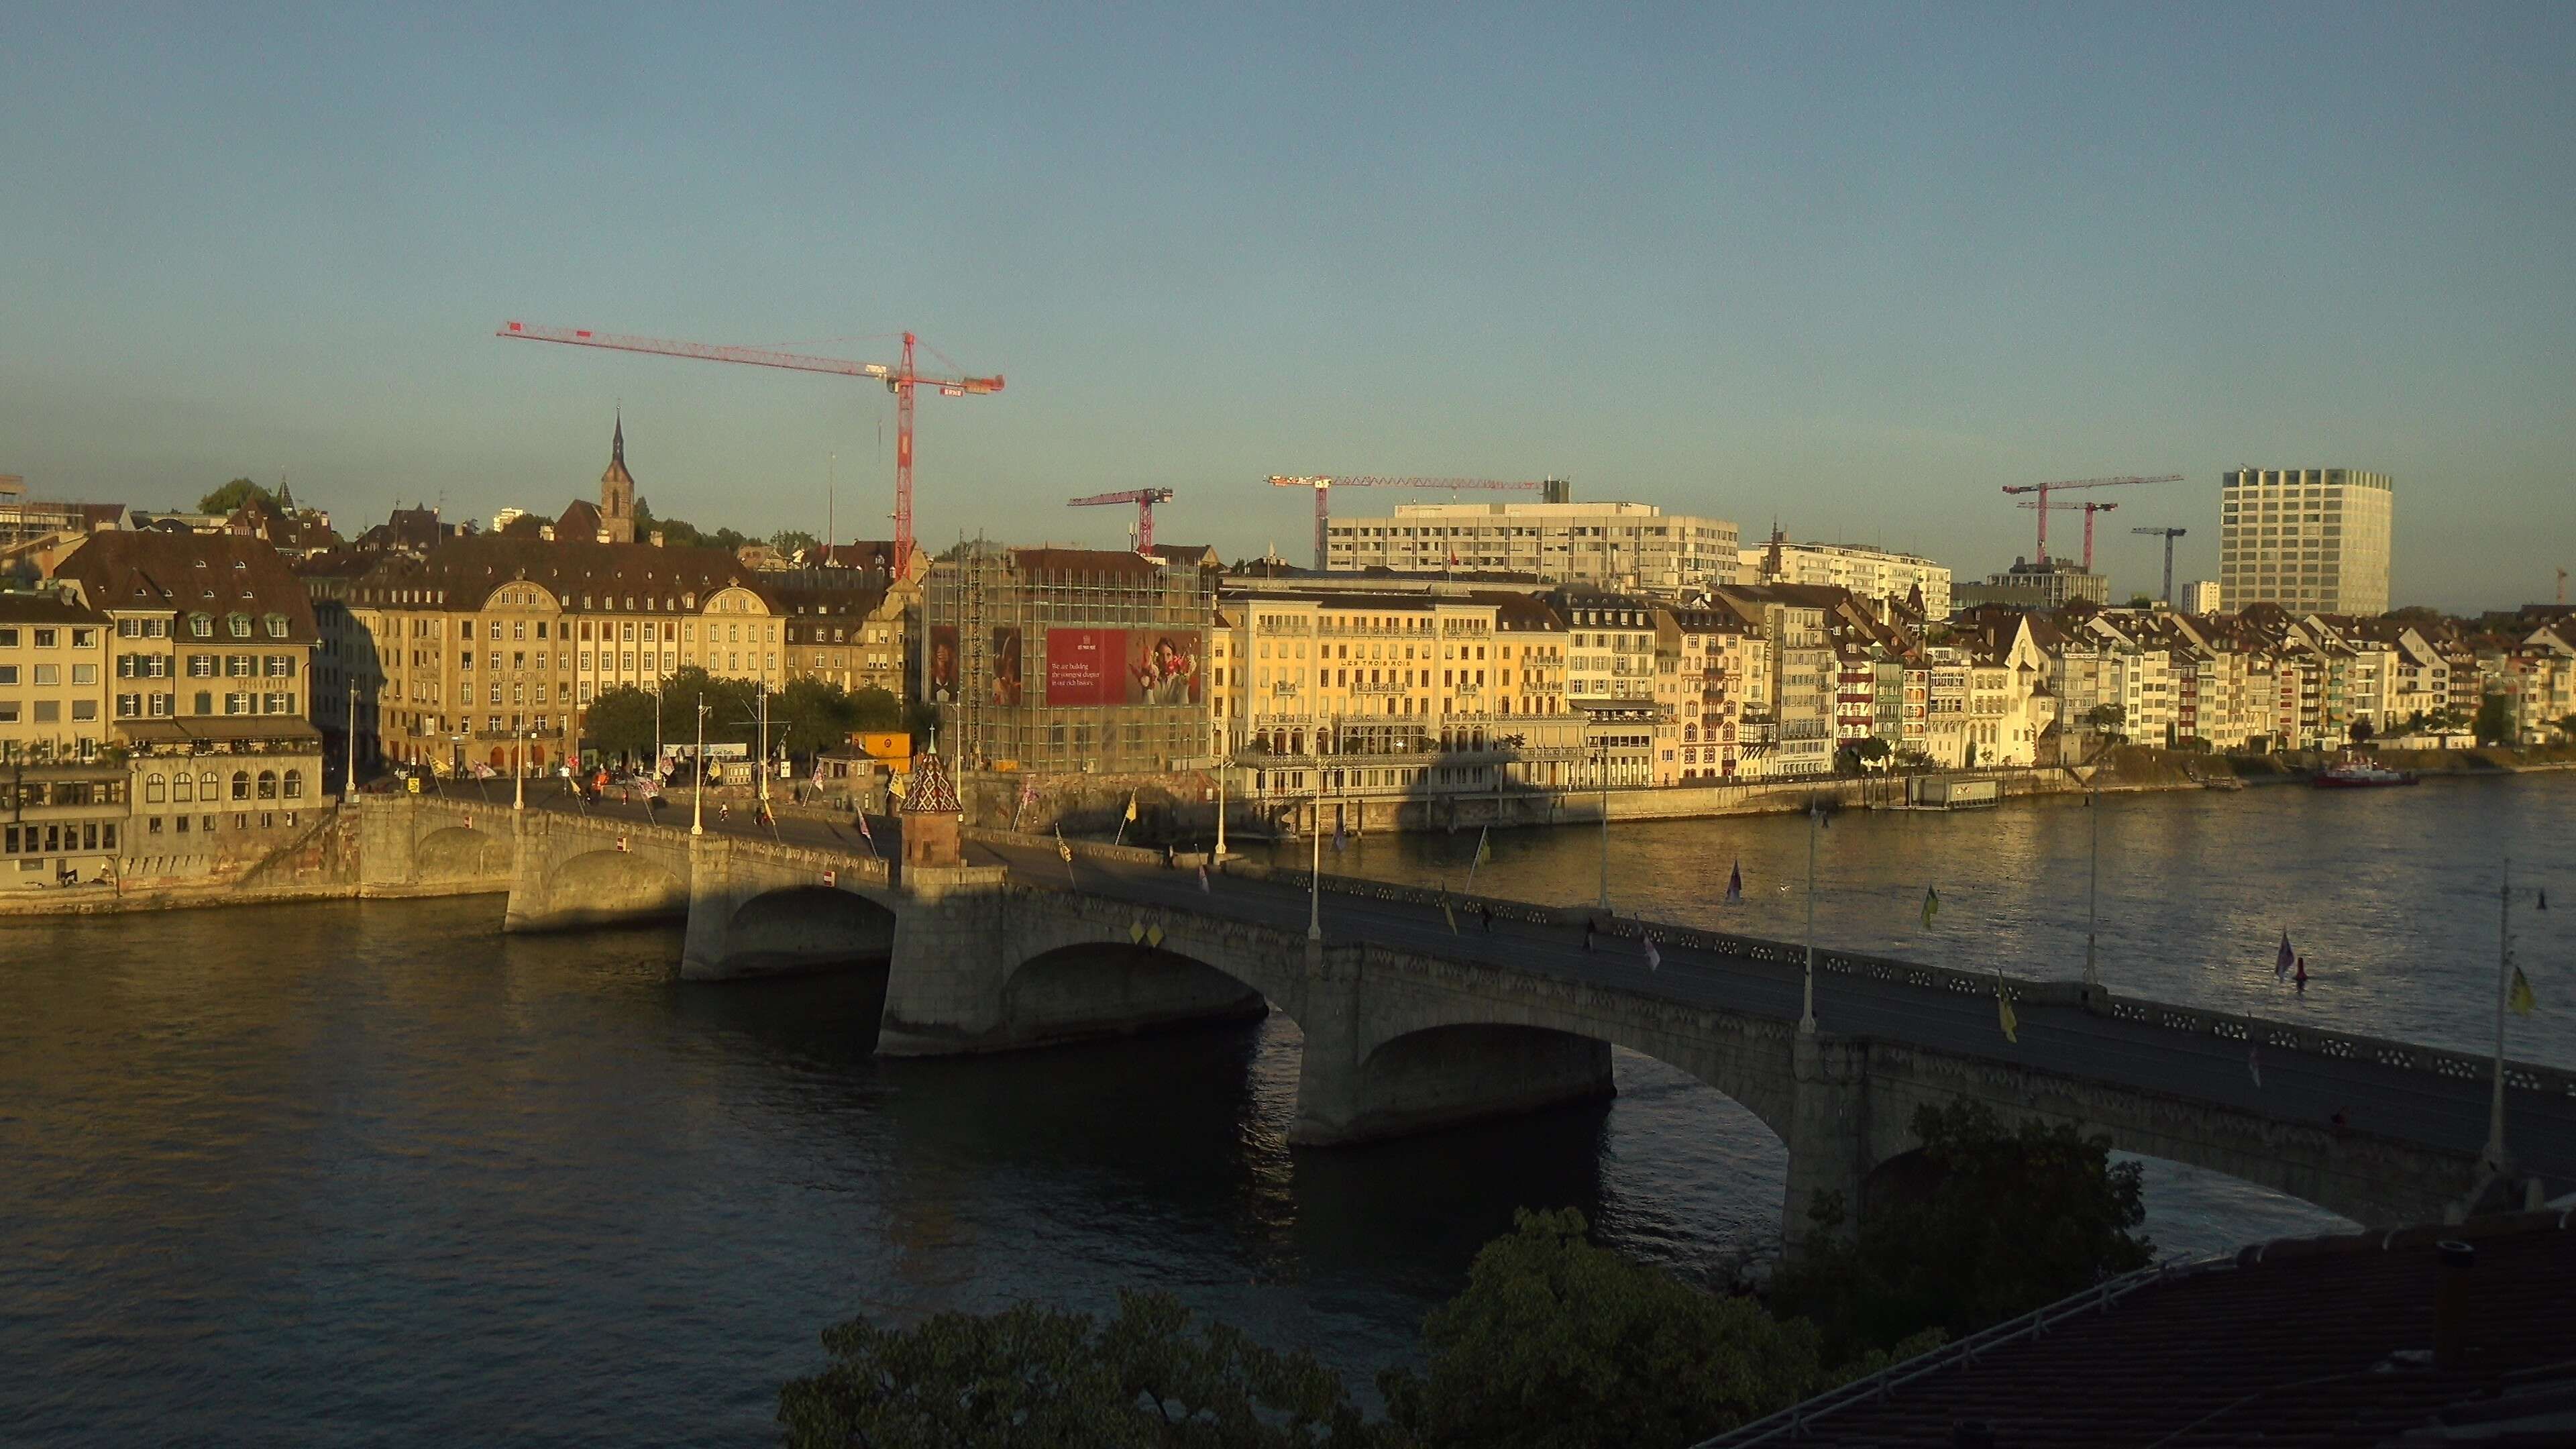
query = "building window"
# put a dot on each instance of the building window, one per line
(241, 786)
(268, 784)
(183, 789)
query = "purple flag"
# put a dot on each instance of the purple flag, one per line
(2254, 1064)
(1654, 958)
(2281, 964)
(1735, 885)
(1203, 881)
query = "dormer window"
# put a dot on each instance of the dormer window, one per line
(238, 625)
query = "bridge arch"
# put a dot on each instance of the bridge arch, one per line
(459, 852)
(802, 926)
(599, 886)
(1120, 987)
(1747, 1064)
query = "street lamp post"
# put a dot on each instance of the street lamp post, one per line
(2494, 1156)
(698, 783)
(1223, 764)
(1315, 876)
(349, 766)
(1603, 765)
(518, 769)
(2093, 892)
(1807, 1011)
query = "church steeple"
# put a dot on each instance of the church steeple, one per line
(617, 489)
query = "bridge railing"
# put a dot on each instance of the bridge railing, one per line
(2253, 1031)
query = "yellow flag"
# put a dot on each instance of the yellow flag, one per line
(1131, 804)
(2004, 1015)
(1154, 936)
(1484, 850)
(1061, 848)
(1450, 917)
(2520, 999)
(1136, 932)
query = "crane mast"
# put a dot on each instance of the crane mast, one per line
(900, 379)
(1143, 498)
(2044, 489)
(2089, 510)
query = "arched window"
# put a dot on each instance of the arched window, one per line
(209, 788)
(201, 626)
(268, 784)
(155, 789)
(183, 787)
(241, 784)
(277, 626)
(238, 625)
(295, 784)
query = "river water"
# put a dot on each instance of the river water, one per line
(375, 1173)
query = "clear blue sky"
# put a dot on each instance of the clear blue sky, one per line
(1851, 265)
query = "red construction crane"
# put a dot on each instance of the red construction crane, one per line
(1143, 498)
(2044, 489)
(2089, 510)
(1323, 487)
(899, 378)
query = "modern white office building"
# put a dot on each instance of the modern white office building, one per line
(2312, 540)
(1609, 545)
(1869, 572)
(2200, 596)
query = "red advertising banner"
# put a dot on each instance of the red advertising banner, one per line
(1122, 666)
(1086, 666)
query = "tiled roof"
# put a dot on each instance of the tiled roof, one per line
(46, 607)
(931, 793)
(2315, 1342)
(1084, 561)
(190, 573)
(464, 573)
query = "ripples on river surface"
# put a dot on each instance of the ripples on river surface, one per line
(335, 1173)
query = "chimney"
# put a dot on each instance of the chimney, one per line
(2451, 1303)
(657, 538)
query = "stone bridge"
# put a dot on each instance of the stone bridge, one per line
(1415, 1019)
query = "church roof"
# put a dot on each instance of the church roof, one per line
(617, 456)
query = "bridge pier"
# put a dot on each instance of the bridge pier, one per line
(1828, 1137)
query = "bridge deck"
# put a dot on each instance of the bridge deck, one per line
(2428, 1102)
(2417, 1095)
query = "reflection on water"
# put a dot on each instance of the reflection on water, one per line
(306, 1175)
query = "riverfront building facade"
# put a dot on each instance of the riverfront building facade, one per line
(2307, 539)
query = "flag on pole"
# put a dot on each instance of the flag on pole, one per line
(1028, 792)
(1448, 915)
(1131, 805)
(2520, 999)
(2004, 1014)
(2254, 1064)
(2281, 963)
(1203, 881)
(1654, 958)
(1931, 904)
(865, 833)
(1735, 885)
(1484, 845)
(1061, 849)
(1337, 837)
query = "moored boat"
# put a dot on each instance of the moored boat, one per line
(2359, 774)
